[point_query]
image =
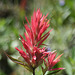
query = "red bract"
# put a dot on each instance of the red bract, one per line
(34, 39)
(51, 61)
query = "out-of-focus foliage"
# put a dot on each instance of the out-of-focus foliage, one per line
(62, 38)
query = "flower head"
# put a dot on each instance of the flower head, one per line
(34, 39)
(51, 62)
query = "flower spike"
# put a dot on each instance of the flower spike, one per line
(33, 54)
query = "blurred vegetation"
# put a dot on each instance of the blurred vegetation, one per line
(62, 38)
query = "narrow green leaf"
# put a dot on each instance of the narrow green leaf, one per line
(20, 62)
(53, 72)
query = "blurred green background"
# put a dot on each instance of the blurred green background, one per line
(62, 38)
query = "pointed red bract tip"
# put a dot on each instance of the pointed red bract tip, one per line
(56, 69)
(17, 48)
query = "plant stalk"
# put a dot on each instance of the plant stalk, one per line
(33, 71)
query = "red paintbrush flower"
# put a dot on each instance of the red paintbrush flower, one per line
(51, 62)
(34, 39)
(34, 55)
